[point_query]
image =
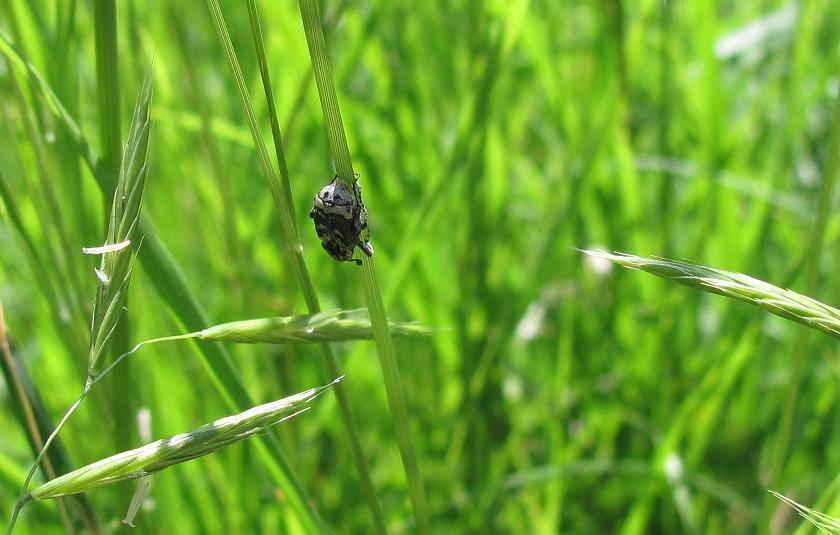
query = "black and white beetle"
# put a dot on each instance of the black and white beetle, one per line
(341, 220)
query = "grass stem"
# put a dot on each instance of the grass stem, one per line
(813, 252)
(281, 192)
(384, 345)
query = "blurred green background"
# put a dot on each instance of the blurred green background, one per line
(493, 139)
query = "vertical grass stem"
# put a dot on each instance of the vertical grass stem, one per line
(382, 336)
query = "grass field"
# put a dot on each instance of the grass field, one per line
(557, 392)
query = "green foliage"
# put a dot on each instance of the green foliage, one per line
(492, 140)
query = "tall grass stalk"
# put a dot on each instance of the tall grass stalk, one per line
(108, 83)
(305, 281)
(108, 92)
(171, 285)
(813, 252)
(384, 344)
(281, 194)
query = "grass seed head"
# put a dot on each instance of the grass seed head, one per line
(321, 327)
(115, 267)
(180, 448)
(779, 301)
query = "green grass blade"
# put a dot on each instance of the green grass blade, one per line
(384, 344)
(326, 91)
(72, 338)
(813, 253)
(396, 395)
(108, 86)
(103, 174)
(64, 252)
(256, 31)
(110, 138)
(286, 223)
(281, 194)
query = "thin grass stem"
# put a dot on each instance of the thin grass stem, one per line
(110, 129)
(281, 193)
(814, 254)
(382, 336)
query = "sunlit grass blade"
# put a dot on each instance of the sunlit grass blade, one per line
(53, 209)
(785, 303)
(104, 176)
(176, 449)
(384, 344)
(74, 339)
(256, 32)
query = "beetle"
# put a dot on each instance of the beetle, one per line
(341, 220)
